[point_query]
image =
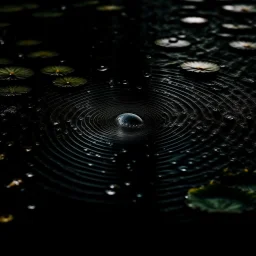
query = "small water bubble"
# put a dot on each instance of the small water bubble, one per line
(173, 40)
(102, 68)
(127, 184)
(110, 192)
(183, 168)
(147, 75)
(114, 186)
(139, 195)
(90, 164)
(30, 175)
(10, 143)
(31, 207)
(28, 149)
(129, 120)
(229, 117)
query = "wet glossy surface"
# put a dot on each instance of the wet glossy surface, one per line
(100, 68)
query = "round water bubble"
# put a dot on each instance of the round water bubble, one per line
(129, 121)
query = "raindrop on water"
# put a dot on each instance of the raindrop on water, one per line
(129, 120)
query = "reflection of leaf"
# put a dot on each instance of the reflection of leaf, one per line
(85, 3)
(14, 90)
(43, 54)
(47, 14)
(15, 73)
(57, 70)
(220, 199)
(11, 8)
(28, 42)
(4, 24)
(69, 81)
(5, 61)
(30, 6)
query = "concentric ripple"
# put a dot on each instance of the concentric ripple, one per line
(204, 122)
(198, 127)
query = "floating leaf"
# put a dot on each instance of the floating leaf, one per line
(194, 20)
(28, 42)
(240, 8)
(57, 70)
(220, 199)
(43, 54)
(172, 42)
(6, 218)
(11, 8)
(109, 8)
(200, 67)
(69, 81)
(243, 45)
(47, 14)
(236, 26)
(15, 73)
(14, 90)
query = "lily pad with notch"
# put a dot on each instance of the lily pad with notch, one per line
(221, 199)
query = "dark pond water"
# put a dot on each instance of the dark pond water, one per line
(121, 107)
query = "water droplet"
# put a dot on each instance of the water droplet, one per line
(29, 175)
(183, 168)
(129, 120)
(31, 207)
(173, 40)
(147, 75)
(139, 195)
(102, 68)
(28, 149)
(127, 184)
(110, 192)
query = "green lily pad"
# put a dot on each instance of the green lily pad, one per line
(57, 70)
(14, 90)
(47, 14)
(43, 54)
(110, 8)
(220, 199)
(15, 73)
(69, 81)
(28, 42)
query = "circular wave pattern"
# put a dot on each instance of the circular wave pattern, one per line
(206, 121)
(199, 127)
